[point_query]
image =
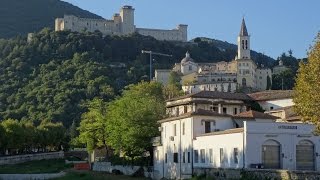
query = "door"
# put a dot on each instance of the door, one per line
(271, 155)
(305, 156)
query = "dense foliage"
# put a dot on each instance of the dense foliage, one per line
(54, 75)
(22, 17)
(23, 137)
(286, 79)
(126, 124)
(307, 87)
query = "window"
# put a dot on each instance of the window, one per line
(174, 130)
(242, 44)
(207, 127)
(210, 156)
(246, 44)
(203, 155)
(185, 109)
(221, 155)
(224, 110)
(212, 108)
(157, 155)
(166, 158)
(196, 156)
(271, 108)
(190, 68)
(183, 128)
(188, 157)
(235, 155)
(175, 157)
(184, 157)
(235, 111)
(177, 111)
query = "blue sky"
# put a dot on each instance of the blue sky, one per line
(275, 26)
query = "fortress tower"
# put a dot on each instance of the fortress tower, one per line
(127, 19)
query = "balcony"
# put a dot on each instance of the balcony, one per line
(156, 141)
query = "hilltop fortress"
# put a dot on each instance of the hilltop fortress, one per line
(120, 24)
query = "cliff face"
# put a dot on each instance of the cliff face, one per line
(19, 17)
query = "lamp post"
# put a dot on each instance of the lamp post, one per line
(150, 58)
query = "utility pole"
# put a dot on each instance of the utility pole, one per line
(150, 56)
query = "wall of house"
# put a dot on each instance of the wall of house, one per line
(227, 142)
(162, 76)
(261, 78)
(275, 104)
(221, 87)
(288, 135)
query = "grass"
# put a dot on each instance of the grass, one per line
(36, 167)
(89, 175)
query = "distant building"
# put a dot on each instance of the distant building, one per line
(280, 68)
(120, 24)
(223, 76)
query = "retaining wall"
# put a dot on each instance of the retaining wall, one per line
(126, 170)
(258, 174)
(31, 176)
(30, 157)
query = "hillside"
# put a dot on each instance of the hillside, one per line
(19, 17)
(51, 77)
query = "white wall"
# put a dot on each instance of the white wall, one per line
(257, 133)
(226, 141)
(266, 105)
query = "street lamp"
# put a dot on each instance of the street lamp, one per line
(150, 58)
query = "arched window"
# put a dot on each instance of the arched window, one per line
(244, 82)
(271, 154)
(305, 157)
(246, 44)
(242, 44)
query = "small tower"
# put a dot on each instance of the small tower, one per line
(127, 20)
(243, 42)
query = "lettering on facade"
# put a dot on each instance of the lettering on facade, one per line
(287, 127)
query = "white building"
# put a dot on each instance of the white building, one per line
(218, 130)
(273, 99)
(120, 24)
(241, 71)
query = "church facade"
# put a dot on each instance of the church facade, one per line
(222, 76)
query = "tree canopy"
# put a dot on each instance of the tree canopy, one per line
(307, 87)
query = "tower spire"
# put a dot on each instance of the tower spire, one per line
(243, 30)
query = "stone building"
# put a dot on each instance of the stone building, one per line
(120, 24)
(239, 72)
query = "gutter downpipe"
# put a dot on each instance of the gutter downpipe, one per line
(243, 145)
(180, 150)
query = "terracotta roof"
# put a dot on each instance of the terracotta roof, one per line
(199, 112)
(271, 95)
(228, 131)
(216, 95)
(254, 114)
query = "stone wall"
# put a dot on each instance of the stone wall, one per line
(126, 170)
(258, 174)
(31, 176)
(30, 157)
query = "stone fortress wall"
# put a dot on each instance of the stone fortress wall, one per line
(120, 24)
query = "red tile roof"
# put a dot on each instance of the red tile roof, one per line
(254, 114)
(271, 95)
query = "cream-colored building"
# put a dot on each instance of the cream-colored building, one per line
(241, 71)
(120, 24)
(280, 68)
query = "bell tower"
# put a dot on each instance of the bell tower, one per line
(243, 42)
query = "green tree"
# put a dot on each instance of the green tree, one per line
(92, 128)
(307, 87)
(268, 83)
(132, 118)
(285, 80)
(13, 134)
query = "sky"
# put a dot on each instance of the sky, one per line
(275, 26)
